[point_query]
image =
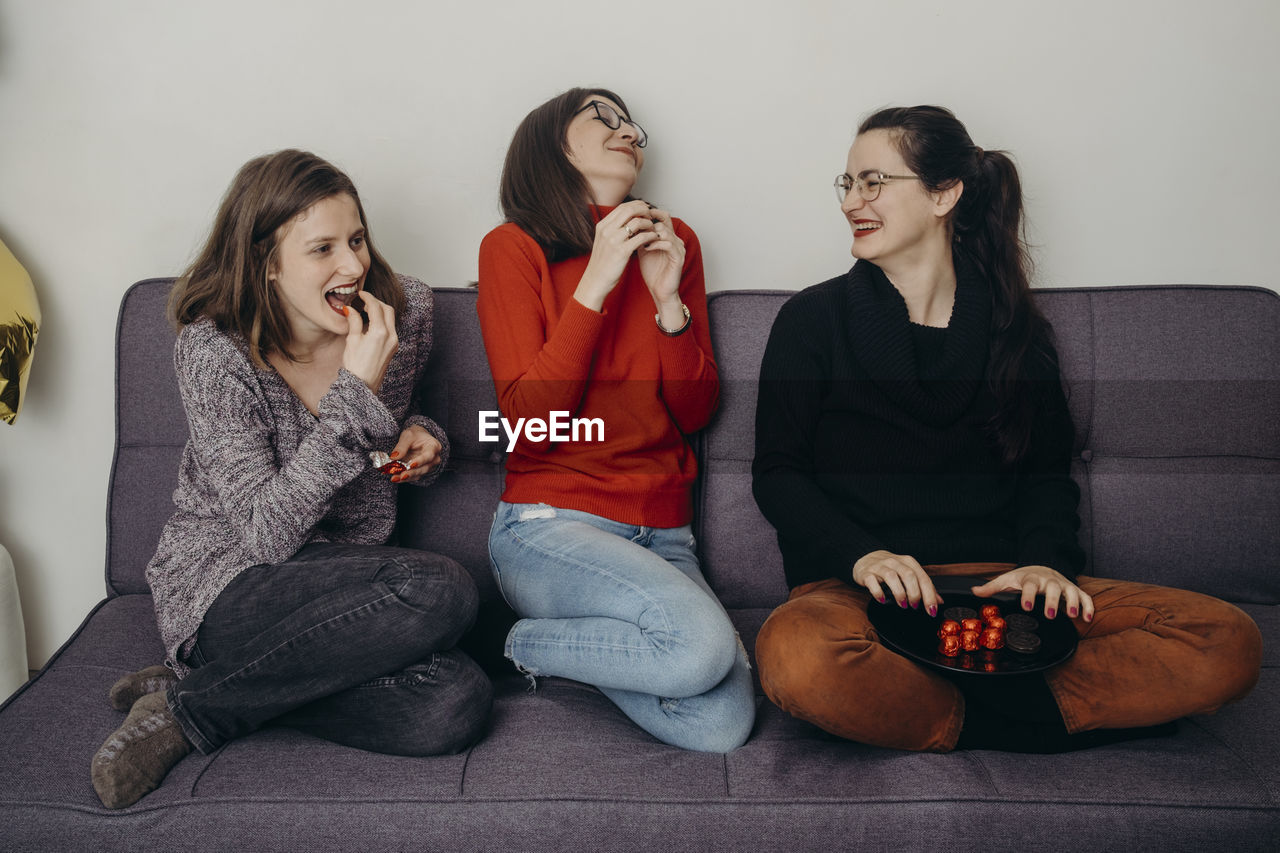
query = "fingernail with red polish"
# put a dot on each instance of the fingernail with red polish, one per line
(395, 454)
(1027, 605)
(1072, 612)
(933, 610)
(1088, 617)
(1051, 613)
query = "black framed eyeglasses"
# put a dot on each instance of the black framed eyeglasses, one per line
(868, 183)
(613, 121)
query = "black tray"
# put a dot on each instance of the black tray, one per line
(914, 633)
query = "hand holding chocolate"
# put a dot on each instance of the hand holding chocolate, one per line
(384, 464)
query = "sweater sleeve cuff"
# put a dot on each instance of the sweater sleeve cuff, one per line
(439, 435)
(575, 337)
(359, 420)
(680, 355)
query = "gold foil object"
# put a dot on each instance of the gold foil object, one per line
(19, 328)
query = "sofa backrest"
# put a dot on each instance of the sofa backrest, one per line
(1175, 392)
(1175, 395)
(151, 430)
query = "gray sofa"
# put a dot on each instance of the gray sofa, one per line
(1176, 395)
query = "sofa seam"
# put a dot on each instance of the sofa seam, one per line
(1249, 456)
(984, 769)
(30, 682)
(462, 775)
(208, 765)
(1273, 806)
(1232, 750)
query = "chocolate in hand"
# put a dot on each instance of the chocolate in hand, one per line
(384, 464)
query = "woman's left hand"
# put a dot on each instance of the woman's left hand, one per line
(662, 264)
(1041, 580)
(418, 449)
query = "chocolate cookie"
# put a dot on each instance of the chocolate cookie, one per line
(1021, 622)
(1022, 642)
(959, 614)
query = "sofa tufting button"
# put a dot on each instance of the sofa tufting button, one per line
(495, 458)
(1086, 456)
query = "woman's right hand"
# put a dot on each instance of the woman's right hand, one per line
(627, 227)
(905, 578)
(369, 350)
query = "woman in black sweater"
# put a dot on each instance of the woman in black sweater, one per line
(912, 423)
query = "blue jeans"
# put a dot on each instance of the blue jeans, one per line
(351, 643)
(624, 608)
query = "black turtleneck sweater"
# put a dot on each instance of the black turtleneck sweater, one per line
(872, 433)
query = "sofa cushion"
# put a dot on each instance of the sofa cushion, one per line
(739, 549)
(151, 430)
(1175, 392)
(561, 766)
(452, 516)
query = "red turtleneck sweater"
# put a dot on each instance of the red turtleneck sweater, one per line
(549, 353)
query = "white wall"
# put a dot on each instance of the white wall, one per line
(1147, 133)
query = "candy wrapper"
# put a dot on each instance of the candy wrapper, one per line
(19, 327)
(385, 464)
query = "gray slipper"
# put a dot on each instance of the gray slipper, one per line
(136, 757)
(135, 685)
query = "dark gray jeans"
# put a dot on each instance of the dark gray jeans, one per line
(350, 643)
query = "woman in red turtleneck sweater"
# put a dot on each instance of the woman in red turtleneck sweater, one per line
(593, 307)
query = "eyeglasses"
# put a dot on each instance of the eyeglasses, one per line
(609, 116)
(868, 184)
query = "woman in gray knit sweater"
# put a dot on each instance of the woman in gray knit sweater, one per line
(299, 356)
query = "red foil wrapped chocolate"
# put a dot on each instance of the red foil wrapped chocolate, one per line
(949, 628)
(970, 640)
(384, 464)
(971, 625)
(992, 638)
(997, 622)
(990, 611)
(950, 645)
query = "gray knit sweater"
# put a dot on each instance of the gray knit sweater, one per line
(261, 476)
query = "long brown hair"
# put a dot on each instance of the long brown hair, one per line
(987, 230)
(541, 191)
(228, 282)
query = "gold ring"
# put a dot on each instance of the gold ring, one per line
(630, 233)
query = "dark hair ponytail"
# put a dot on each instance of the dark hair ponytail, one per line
(987, 231)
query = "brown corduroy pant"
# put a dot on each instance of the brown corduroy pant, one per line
(1151, 654)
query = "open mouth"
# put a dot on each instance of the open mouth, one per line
(863, 227)
(340, 297)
